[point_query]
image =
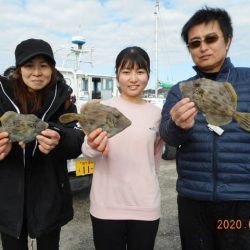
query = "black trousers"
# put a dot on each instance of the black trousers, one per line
(49, 241)
(207, 225)
(124, 234)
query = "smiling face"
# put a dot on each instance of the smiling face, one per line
(132, 82)
(132, 69)
(211, 53)
(36, 73)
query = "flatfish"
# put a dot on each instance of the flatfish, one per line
(216, 100)
(21, 127)
(94, 115)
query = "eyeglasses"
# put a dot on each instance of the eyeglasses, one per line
(209, 39)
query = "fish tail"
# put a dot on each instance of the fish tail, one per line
(69, 117)
(243, 119)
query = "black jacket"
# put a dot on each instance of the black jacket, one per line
(34, 186)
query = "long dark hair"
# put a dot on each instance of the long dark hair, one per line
(30, 102)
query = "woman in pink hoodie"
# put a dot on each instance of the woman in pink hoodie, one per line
(125, 193)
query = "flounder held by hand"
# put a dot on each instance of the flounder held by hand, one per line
(216, 100)
(21, 127)
(94, 115)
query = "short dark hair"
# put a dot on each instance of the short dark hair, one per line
(206, 15)
(132, 56)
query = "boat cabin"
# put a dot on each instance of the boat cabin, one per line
(89, 86)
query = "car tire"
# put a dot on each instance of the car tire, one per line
(169, 152)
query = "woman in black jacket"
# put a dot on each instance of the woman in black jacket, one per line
(35, 196)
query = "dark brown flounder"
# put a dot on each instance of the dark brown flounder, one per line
(94, 115)
(216, 100)
(21, 127)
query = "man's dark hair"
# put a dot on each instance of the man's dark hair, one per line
(206, 15)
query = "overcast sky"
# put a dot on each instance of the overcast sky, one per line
(108, 26)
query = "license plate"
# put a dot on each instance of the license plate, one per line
(84, 167)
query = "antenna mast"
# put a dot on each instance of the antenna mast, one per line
(156, 47)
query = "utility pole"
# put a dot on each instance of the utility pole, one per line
(156, 47)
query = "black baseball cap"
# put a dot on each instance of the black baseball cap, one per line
(33, 47)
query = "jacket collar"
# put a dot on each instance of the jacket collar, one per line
(224, 73)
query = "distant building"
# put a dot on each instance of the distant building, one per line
(150, 93)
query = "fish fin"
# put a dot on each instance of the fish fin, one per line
(186, 89)
(7, 115)
(218, 120)
(232, 92)
(89, 105)
(243, 119)
(95, 101)
(69, 117)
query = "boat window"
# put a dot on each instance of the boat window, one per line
(84, 84)
(109, 83)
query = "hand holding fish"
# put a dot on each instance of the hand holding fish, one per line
(183, 113)
(21, 128)
(5, 145)
(98, 140)
(216, 100)
(47, 140)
